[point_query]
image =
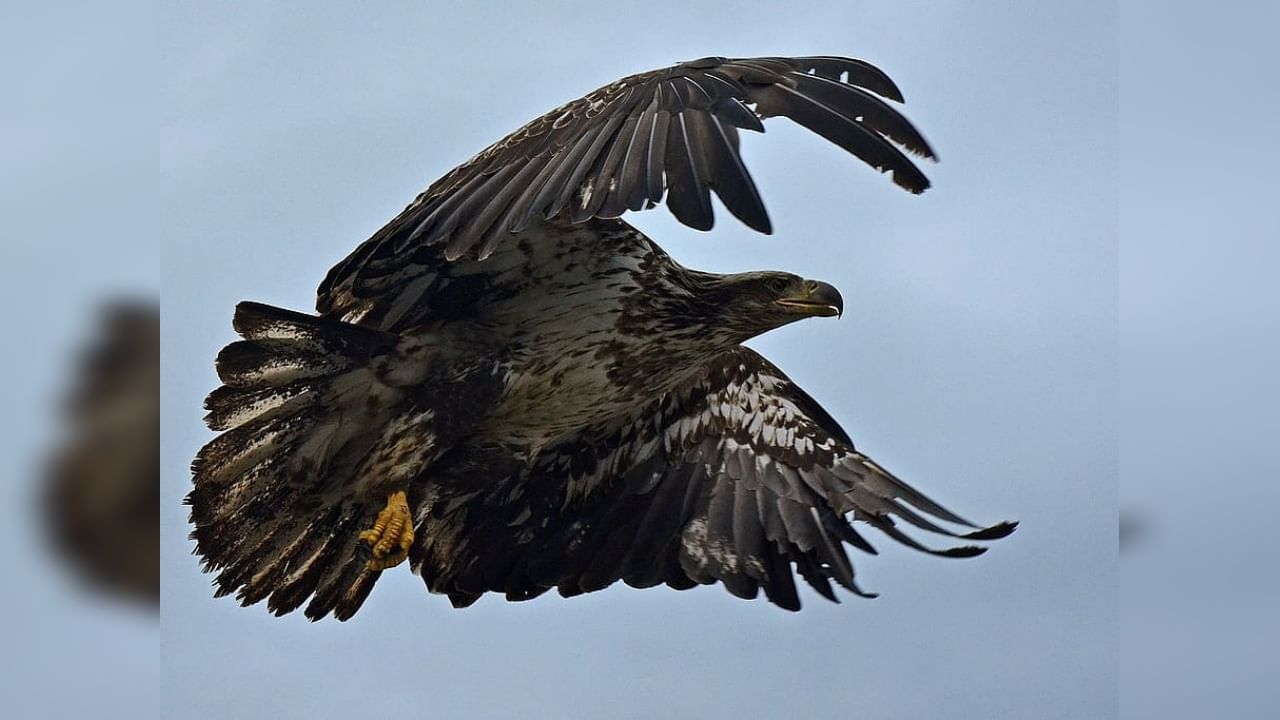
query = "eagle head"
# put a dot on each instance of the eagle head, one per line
(756, 302)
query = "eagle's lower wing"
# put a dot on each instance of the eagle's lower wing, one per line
(740, 478)
(671, 132)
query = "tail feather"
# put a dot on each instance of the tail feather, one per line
(257, 321)
(259, 363)
(311, 562)
(232, 457)
(230, 407)
(274, 502)
(341, 591)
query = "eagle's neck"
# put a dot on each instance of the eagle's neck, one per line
(711, 303)
(683, 314)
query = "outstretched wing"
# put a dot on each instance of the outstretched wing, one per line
(670, 132)
(740, 478)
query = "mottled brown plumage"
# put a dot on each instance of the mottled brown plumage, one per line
(563, 405)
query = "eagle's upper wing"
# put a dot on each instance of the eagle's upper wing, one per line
(738, 478)
(671, 132)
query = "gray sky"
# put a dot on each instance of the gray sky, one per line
(1201, 310)
(977, 356)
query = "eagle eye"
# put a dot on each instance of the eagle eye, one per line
(778, 284)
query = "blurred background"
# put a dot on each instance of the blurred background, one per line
(225, 152)
(99, 487)
(82, 233)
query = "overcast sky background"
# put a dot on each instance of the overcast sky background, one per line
(976, 357)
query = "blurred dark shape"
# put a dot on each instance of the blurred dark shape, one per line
(1133, 528)
(101, 500)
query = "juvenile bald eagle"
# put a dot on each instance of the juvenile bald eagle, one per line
(517, 391)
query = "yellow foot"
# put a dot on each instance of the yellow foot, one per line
(391, 535)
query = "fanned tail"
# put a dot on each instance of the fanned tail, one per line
(274, 504)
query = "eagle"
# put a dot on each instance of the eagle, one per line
(516, 391)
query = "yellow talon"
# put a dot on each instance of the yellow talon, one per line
(391, 536)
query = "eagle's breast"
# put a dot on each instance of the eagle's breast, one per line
(591, 337)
